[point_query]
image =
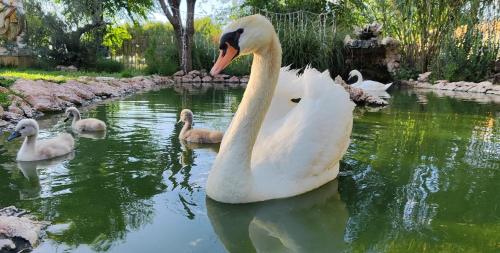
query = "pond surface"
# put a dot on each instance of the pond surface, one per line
(421, 175)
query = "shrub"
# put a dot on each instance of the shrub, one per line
(240, 66)
(466, 58)
(161, 57)
(130, 73)
(4, 99)
(406, 73)
(108, 66)
(5, 82)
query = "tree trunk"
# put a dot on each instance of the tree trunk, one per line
(183, 34)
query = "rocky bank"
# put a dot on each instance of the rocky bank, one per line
(32, 98)
(485, 87)
(19, 231)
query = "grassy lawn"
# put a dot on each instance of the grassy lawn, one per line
(56, 76)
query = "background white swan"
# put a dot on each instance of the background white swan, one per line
(276, 148)
(367, 85)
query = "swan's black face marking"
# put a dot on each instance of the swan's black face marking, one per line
(295, 100)
(231, 38)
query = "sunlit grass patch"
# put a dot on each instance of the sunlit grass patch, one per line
(53, 76)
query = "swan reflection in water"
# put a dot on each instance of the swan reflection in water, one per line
(98, 135)
(30, 172)
(312, 222)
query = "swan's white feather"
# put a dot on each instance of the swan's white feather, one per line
(372, 85)
(304, 141)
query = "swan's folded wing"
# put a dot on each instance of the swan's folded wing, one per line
(289, 87)
(310, 136)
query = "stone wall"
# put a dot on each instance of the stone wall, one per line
(485, 87)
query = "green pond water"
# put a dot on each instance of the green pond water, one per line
(421, 175)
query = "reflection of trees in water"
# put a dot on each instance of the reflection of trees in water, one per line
(407, 172)
(107, 189)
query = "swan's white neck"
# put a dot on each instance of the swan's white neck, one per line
(230, 179)
(76, 117)
(358, 75)
(185, 128)
(28, 147)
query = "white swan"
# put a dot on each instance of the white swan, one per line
(367, 85)
(276, 148)
(83, 125)
(33, 150)
(196, 135)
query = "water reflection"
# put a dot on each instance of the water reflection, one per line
(93, 135)
(31, 189)
(312, 222)
(417, 177)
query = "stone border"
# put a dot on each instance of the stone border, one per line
(19, 230)
(33, 98)
(485, 87)
(201, 76)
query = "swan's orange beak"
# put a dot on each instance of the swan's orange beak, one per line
(225, 57)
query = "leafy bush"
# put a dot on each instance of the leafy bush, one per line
(130, 73)
(240, 66)
(6, 82)
(4, 100)
(108, 66)
(406, 73)
(465, 58)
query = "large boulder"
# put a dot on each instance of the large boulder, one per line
(359, 96)
(233, 79)
(20, 232)
(41, 95)
(424, 77)
(206, 79)
(194, 73)
(495, 89)
(80, 89)
(179, 73)
(102, 89)
(481, 87)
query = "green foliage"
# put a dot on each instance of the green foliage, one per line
(445, 37)
(108, 66)
(4, 100)
(240, 66)
(53, 76)
(466, 57)
(316, 6)
(406, 73)
(6, 82)
(161, 53)
(114, 37)
(130, 73)
(75, 33)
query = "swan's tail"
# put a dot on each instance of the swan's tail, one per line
(387, 86)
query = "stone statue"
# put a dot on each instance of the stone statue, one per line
(12, 21)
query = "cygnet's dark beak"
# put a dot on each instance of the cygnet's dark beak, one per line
(14, 135)
(66, 119)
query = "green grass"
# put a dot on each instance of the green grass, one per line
(4, 100)
(6, 82)
(56, 76)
